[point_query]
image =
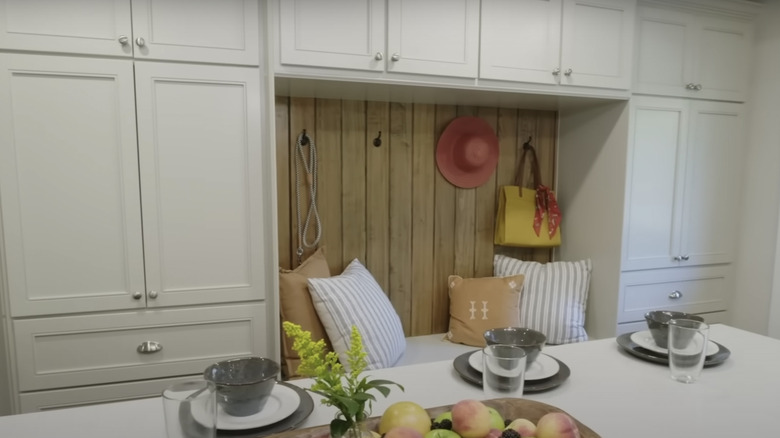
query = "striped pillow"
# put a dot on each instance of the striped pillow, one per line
(554, 297)
(355, 298)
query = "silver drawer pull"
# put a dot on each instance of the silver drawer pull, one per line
(149, 347)
(675, 295)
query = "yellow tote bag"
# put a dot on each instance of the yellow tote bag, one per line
(525, 216)
(515, 220)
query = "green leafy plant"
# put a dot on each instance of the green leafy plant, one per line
(346, 390)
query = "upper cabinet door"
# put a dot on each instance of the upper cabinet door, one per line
(199, 148)
(687, 55)
(69, 184)
(437, 37)
(521, 40)
(597, 42)
(225, 31)
(94, 27)
(334, 34)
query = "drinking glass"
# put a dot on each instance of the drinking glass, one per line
(687, 349)
(503, 371)
(190, 409)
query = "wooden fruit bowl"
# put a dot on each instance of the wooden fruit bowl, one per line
(510, 408)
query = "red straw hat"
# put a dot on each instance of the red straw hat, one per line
(467, 152)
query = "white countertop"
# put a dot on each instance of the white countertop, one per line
(614, 393)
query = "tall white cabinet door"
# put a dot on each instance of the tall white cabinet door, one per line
(722, 63)
(71, 218)
(520, 40)
(335, 34)
(655, 177)
(199, 132)
(225, 31)
(71, 26)
(712, 187)
(597, 43)
(446, 45)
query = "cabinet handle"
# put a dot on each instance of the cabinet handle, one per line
(152, 294)
(697, 87)
(556, 72)
(690, 86)
(675, 295)
(379, 56)
(149, 347)
(685, 257)
(123, 40)
(395, 57)
(140, 42)
(676, 258)
(137, 295)
(568, 72)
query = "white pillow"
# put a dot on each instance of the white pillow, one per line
(554, 296)
(355, 298)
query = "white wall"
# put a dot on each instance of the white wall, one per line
(756, 269)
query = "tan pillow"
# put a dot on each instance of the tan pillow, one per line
(479, 304)
(295, 305)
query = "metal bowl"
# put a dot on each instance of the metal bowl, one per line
(243, 384)
(658, 323)
(530, 340)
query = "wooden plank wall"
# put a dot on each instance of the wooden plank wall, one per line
(390, 207)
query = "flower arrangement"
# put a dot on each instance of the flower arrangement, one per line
(345, 390)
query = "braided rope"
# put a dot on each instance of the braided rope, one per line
(310, 168)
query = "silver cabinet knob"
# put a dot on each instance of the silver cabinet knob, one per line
(149, 347)
(140, 42)
(697, 87)
(379, 56)
(123, 40)
(568, 72)
(395, 57)
(137, 295)
(675, 295)
(685, 257)
(676, 258)
(690, 86)
(556, 72)
(152, 294)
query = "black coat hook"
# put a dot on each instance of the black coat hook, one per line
(304, 138)
(527, 144)
(378, 140)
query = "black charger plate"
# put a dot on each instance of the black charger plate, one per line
(634, 349)
(469, 374)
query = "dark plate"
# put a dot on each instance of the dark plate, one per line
(631, 347)
(291, 422)
(469, 374)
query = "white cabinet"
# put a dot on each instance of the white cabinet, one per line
(575, 43)
(691, 54)
(432, 37)
(683, 183)
(73, 213)
(207, 31)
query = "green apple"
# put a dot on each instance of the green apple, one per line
(496, 420)
(441, 433)
(443, 416)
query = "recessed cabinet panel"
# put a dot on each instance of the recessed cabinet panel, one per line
(224, 31)
(69, 184)
(100, 348)
(198, 127)
(307, 35)
(73, 26)
(661, 51)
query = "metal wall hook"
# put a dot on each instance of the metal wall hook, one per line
(378, 140)
(527, 144)
(304, 138)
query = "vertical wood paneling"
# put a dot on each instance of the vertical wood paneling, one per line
(285, 196)
(423, 193)
(353, 178)
(328, 141)
(390, 207)
(401, 212)
(378, 194)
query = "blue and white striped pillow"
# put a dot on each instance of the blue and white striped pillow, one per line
(554, 296)
(355, 298)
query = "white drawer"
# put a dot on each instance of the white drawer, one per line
(93, 349)
(90, 395)
(695, 290)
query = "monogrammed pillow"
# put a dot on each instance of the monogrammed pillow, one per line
(554, 298)
(479, 304)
